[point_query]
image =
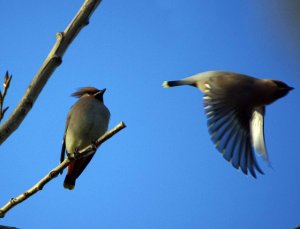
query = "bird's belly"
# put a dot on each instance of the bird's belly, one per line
(83, 133)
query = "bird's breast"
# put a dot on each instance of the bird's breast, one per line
(86, 125)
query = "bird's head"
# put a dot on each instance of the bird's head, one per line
(90, 91)
(269, 91)
(281, 89)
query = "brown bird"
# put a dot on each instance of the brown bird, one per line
(235, 107)
(87, 121)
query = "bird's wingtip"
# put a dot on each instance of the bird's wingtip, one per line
(166, 84)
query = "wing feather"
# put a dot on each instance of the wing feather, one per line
(257, 132)
(230, 125)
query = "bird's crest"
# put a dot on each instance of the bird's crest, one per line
(85, 90)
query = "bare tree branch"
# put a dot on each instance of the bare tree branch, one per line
(6, 83)
(54, 59)
(54, 172)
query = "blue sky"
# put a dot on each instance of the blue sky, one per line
(162, 171)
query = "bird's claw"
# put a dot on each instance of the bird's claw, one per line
(94, 146)
(75, 155)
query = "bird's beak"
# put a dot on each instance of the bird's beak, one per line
(289, 88)
(103, 90)
(100, 92)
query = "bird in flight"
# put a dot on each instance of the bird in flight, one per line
(235, 107)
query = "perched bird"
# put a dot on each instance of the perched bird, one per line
(235, 107)
(87, 121)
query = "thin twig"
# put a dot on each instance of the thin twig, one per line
(54, 172)
(6, 83)
(54, 59)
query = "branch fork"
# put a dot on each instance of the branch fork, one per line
(6, 83)
(53, 60)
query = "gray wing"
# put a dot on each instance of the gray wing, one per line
(229, 126)
(63, 148)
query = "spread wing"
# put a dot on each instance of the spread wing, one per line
(229, 126)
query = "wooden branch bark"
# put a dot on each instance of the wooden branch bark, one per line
(54, 59)
(54, 172)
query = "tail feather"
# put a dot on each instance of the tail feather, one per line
(75, 169)
(167, 84)
(70, 179)
(69, 182)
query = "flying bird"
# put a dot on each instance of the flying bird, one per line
(235, 107)
(87, 120)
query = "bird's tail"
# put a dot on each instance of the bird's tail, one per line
(167, 84)
(70, 179)
(69, 182)
(75, 168)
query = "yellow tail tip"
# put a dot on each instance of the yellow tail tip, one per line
(165, 84)
(69, 186)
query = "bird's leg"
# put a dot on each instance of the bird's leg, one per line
(74, 155)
